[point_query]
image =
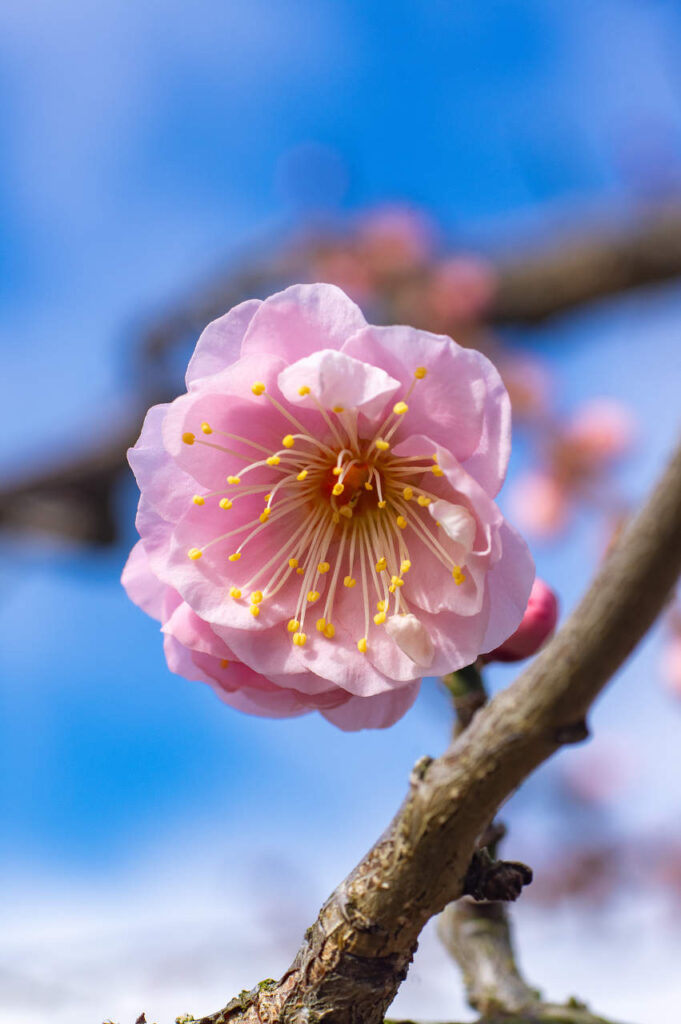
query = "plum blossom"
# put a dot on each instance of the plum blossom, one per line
(317, 519)
(539, 622)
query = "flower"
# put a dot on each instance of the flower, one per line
(316, 517)
(539, 622)
(540, 502)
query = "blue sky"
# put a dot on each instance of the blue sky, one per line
(144, 144)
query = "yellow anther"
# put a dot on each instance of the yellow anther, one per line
(321, 623)
(408, 493)
(379, 618)
(400, 408)
(382, 504)
(299, 639)
(254, 609)
(198, 499)
(265, 515)
(235, 593)
(288, 442)
(292, 625)
(258, 388)
(194, 553)
(459, 576)
(273, 460)
(423, 501)
(266, 498)
(381, 605)
(233, 479)
(382, 446)
(224, 662)
(323, 567)
(312, 596)
(396, 581)
(206, 428)
(401, 522)
(346, 511)
(300, 571)
(304, 390)
(405, 566)
(329, 631)
(338, 489)
(256, 596)
(293, 562)
(235, 557)
(225, 503)
(302, 474)
(339, 408)
(362, 645)
(381, 564)
(188, 438)
(436, 471)
(392, 588)
(348, 581)
(420, 372)
(335, 517)
(368, 486)
(337, 470)
(434, 456)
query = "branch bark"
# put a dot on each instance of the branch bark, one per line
(358, 951)
(76, 497)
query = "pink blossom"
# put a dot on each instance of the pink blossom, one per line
(461, 289)
(601, 429)
(539, 503)
(671, 664)
(316, 517)
(394, 239)
(539, 622)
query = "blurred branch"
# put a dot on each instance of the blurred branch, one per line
(76, 497)
(358, 951)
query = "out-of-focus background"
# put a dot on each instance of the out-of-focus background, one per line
(159, 851)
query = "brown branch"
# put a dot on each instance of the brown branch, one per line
(76, 497)
(564, 276)
(358, 951)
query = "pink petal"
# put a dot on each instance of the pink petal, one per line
(509, 584)
(141, 585)
(336, 379)
(377, 712)
(462, 403)
(301, 320)
(220, 342)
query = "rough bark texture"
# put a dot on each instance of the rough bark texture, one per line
(358, 951)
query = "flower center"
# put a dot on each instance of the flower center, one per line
(348, 514)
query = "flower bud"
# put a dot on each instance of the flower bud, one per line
(538, 623)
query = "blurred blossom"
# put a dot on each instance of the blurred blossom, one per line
(601, 429)
(671, 657)
(528, 383)
(538, 623)
(539, 503)
(341, 265)
(599, 774)
(395, 239)
(460, 290)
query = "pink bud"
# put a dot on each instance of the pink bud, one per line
(538, 623)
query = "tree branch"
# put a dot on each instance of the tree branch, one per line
(358, 951)
(76, 497)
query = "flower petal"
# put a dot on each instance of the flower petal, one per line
(301, 320)
(461, 403)
(220, 342)
(337, 381)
